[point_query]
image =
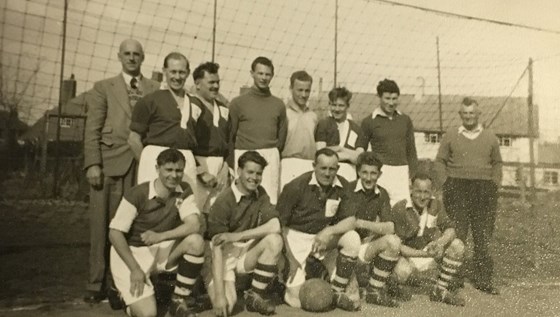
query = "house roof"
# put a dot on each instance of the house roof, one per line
(424, 111)
(549, 154)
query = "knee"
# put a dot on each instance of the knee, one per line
(145, 312)
(274, 243)
(193, 243)
(456, 249)
(393, 244)
(402, 270)
(350, 243)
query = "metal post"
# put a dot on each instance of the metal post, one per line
(60, 97)
(439, 87)
(335, 39)
(531, 129)
(214, 31)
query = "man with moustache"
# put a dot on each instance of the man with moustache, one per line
(211, 133)
(108, 159)
(390, 134)
(166, 119)
(258, 122)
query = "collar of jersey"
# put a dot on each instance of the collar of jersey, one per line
(314, 181)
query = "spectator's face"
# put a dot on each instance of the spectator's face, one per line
(339, 109)
(250, 176)
(300, 92)
(368, 175)
(389, 102)
(469, 116)
(262, 75)
(421, 193)
(325, 169)
(131, 57)
(176, 74)
(208, 86)
(171, 174)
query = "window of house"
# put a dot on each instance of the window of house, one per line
(66, 122)
(551, 178)
(432, 137)
(505, 141)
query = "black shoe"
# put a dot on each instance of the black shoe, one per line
(92, 297)
(446, 297)
(342, 301)
(181, 306)
(399, 292)
(115, 299)
(255, 303)
(380, 297)
(488, 289)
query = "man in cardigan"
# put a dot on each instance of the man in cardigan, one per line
(258, 122)
(391, 137)
(469, 156)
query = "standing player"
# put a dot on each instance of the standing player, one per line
(313, 224)
(245, 233)
(339, 133)
(258, 122)
(108, 160)
(391, 136)
(470, 158)
(380, 247)
(211, 135)
(428, 239)
(166, 119)
(154, 229)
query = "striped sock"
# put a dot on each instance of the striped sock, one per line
(448, 270)
(262, 276)
(380, 269)
(189, 269)
(344, 268)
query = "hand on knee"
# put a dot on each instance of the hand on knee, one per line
(393, 245)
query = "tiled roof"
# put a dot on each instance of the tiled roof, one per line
(549, 153)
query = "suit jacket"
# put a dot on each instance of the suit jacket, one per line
(107, 125)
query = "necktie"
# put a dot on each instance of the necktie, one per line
(134, 83)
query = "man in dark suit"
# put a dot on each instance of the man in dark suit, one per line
(108, 161)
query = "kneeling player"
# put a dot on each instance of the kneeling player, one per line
(245, 233)
(156, 228)
(429, 239)
(313, 224)
(380, 246)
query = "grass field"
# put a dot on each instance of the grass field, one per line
(44, 248)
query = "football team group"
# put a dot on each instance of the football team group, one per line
(185, 182)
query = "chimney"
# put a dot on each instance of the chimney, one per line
(420, 86)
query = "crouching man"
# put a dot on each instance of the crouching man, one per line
(154, 229)
(313, 224)
(428, 240)
(380, 247)
(245, 232)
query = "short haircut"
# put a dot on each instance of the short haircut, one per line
(423, 177)
(170, 156)
(387, 85)
(467, 101)
(300, 75)
(251, 156)
(342, 93)
(325, 151)
(176, 56)
(368, 158)
(263, 61)
(208, 67)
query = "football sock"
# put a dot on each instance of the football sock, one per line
(189, 269)
(380, 269)
(262, 276)
(344, 268)
(448, 270)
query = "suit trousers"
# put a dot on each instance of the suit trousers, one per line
(472, 203)
(103, 204)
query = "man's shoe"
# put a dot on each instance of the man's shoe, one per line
(446, 297)
(182, 306)
(255, 303)
(342, 301)
(92, 297)
(115, 299)
(488, 289)
(380, 297)
(399, 292)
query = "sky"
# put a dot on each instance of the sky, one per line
(376, 40)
